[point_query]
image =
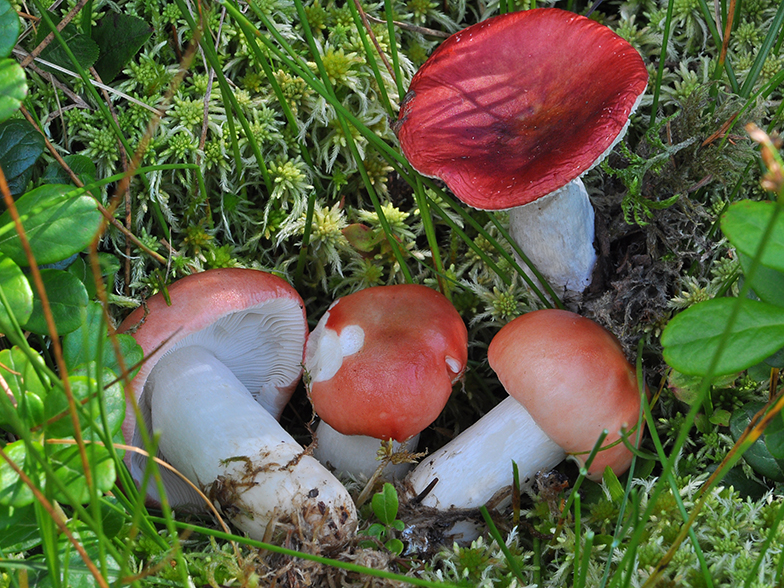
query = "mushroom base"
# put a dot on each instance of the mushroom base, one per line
(356, 454)
(222, 440)
(477, 463)
(556, 233)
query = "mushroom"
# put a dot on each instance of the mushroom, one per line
(510, 112)
(222, 360)
(568, 380)
(381, 363)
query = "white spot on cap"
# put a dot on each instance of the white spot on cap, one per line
(326, 350)
(454, 365)
(352, 338)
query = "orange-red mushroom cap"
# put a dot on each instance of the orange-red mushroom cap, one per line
(573, 378)
(382, 361)
(513, 108)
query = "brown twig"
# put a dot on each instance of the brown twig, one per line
(127, 194)
(410, 27)
(166, 465)
(725, 42)
(48, 38)
(372, 36)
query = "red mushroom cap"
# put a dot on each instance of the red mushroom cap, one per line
(408, 345)
(573, 378)
(198, 301)
(513, 108)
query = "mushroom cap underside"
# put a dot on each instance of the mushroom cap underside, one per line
(253, 321)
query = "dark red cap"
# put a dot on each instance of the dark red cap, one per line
(513, 108)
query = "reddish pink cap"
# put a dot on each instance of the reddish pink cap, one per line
(513, 108)
(382, 361)
(573, 378)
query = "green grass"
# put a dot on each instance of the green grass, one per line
(295, 146)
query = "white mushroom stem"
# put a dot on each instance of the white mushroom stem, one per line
(357, 454)
(220, 438)
(556, 233)
(477, 463)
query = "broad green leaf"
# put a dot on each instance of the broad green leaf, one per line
(14, 492)
(746, 487)
(67, 464)
(113, 516)
(395, 546)
(27, 388)
(758, 456)
(691, 339)
(385, 504)
(777, 359)
(86, 393)
(81, 269)
(119, 37)
(768, 283)
(83, 48)
(686, 388)
(9, 28)
(20, 146)
(57, 226)
(745, 222)
(81, 346)
(19, 529)
(17, 292)
(67, 301)
(13, 87)
(774, 438)
(72, 564)
(376, 530)
(81, 165)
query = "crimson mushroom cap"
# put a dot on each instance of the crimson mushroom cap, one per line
(573, 378)
(199, 301)
(513, 108)
(407, 346)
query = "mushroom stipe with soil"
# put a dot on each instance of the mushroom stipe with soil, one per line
(222, 360)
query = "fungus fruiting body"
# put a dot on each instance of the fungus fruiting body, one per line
(568, 381)
(222, 360)
(510, 112)
(381, 363)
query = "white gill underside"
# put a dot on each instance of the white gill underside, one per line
(212, 427)
(478, 462)
(556, 233)
(262, 347)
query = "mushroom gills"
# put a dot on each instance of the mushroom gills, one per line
(221, 439)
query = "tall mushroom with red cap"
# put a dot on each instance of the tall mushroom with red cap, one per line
(381, 363)
(222, 359)
(568, 380)
(510, 112)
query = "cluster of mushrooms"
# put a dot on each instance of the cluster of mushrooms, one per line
(228, 347)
